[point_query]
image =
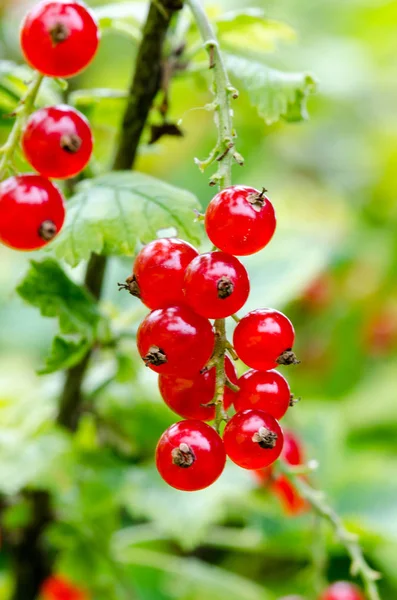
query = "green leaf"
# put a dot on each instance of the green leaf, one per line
(113, 213)
(47, 287)
(185, 518)
(65, 353)
(275, 94)
(124, 17)
(87, 98)
(248, 30)
(201, 579)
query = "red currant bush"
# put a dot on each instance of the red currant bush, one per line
(240, 220)
(253, 439)
(342, 590)
(158, 272)
(175, 341)
(216, 285)
(190, 456)
(188, 397)
(264, 338)
(59, 38)
(32, 212)
(263, 390)
(57, 142)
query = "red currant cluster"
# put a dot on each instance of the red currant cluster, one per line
(185, 290)
(59, 39)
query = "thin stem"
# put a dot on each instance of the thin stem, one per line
(223, 154)
(22, 112)
(350, 541)
(236, 318)
(223, 92)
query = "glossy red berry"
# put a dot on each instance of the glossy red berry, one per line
(253, 439)
(32, 212)
(342, 590)
(59, 588)
(175, 341)
(190, 456)
(263, 339)
(158, 272)
(216, 285)
(59, 38)
(189, 397)
(57, 142)
(263, 390)
(240, 220)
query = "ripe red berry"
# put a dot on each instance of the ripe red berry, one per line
(57, 141)
(253, 439)
(158, 272)
(216, 285)
(59, 38)
(59, 588)
(263, 390)
(190, 456)
(240, 220)
(175, 341)
(342, 590)
(263, 339)
(32, 212)
(189, 397)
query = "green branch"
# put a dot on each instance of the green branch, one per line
(224, 154)
(350, 541)
(22, 112)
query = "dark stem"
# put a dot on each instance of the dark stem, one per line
(31, 560)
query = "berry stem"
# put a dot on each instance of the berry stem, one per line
(223, 154)
(223, 91)
(350, 541)
(23, 110)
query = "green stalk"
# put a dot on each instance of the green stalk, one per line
(350, 541)
(22, 112)
(223, 154)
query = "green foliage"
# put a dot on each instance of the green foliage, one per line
(248, 30)
(47, 287)
(113, 213)
(275, 94)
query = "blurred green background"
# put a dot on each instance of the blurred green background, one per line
(332, 266)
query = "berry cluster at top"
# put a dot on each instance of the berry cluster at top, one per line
(58, 39)
(185, 290)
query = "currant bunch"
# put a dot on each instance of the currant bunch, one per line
(59, 39)
(185, 291)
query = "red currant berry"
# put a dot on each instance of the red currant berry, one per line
(263, 339)
(216, 285)
(59, 588)
(32, 212)
(240, 220)
(263, 390)
(342, 590)
(191, 398)
(190, 456)
(175, 341)
(57, 142)
(253, 439)
(158, 272)
(59, 38)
